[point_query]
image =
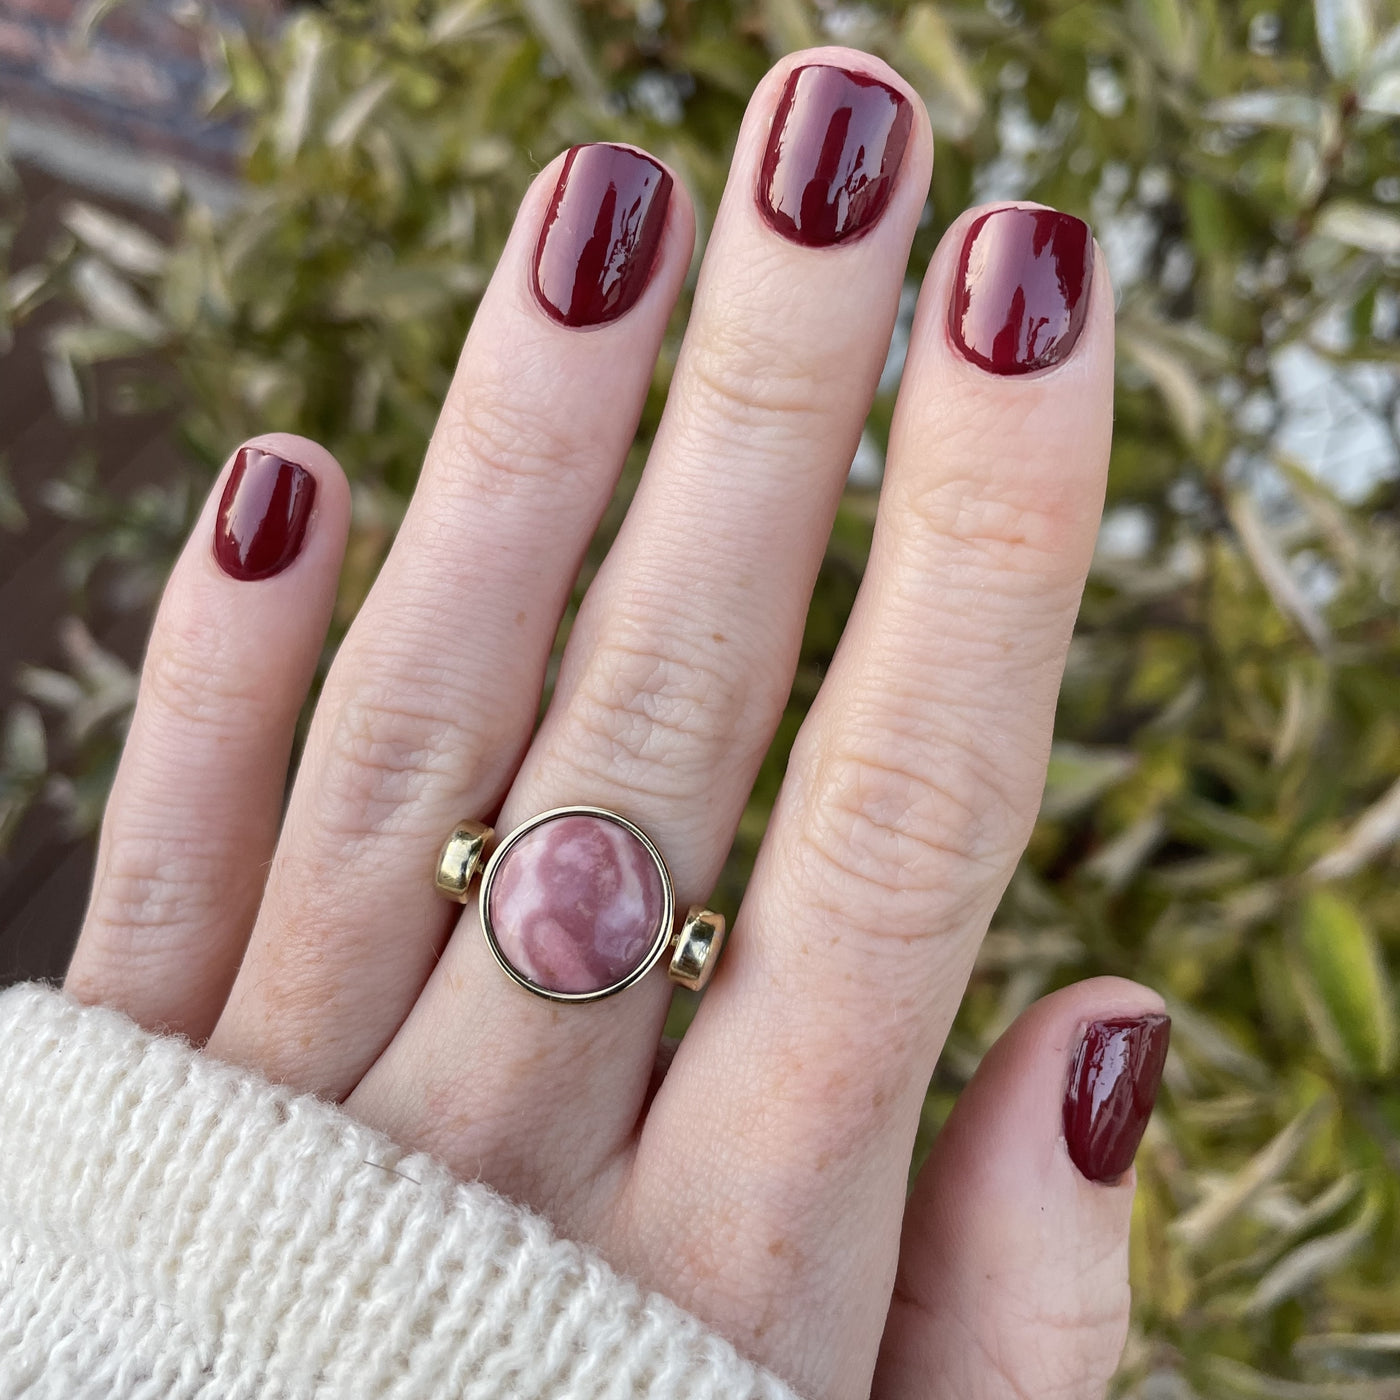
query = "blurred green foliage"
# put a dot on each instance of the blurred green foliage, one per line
(1223, 806)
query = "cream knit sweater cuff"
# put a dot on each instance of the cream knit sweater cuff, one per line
(172, 1228)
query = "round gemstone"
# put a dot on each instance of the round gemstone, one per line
(576, 903)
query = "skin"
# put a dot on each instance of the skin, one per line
(313, 948)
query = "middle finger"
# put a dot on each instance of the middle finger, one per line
(682, 656)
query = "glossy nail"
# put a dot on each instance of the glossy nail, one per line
(1022, 289)
(1112, 1087)
(600, 235)
(262, 515)
(833, 153)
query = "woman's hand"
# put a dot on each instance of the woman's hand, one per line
(762, 1184)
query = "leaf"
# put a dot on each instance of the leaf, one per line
(98, 669)
(397, 293)
(789, 26)
(1172, 27)
(1305, 174)
(1232, 1380)
(1319, 1257)
(24, 752)
(113, 302)
(48, 687)
(1348, 1343)
(123, 244)
(25, 285)
(13, 517)
(1301, 1221)
(1345, 33)
(941, 73)
(1281, 109)
(1273, 572)
(557, 23)
(1199, 1225)
(1360, 226)
(455, 22)
(64, 387)
(1077, 775)
(86, 343)
(344, 127)
(1115, 863)
(1342, 532)
(306, 45)
(1173, 379)
(1197, 1034)
(1304, 711)
(245, 76)
(1375, 832)
(1344, 987)
(1005, 949)
(87, 20)
(1385, 53)
(1381, 94)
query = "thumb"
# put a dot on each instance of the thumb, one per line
(1013, 1271)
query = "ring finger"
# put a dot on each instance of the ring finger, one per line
(682, 655)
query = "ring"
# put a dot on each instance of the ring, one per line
(577, 903)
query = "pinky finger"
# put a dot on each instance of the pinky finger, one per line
(1013, 1270)
(192, 819)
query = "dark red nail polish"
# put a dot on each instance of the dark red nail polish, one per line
(601, 234)
(832, 156)
(263, 514)
(1022, 289)
(1112, 1087)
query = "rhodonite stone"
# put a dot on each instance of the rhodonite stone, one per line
(576, 904)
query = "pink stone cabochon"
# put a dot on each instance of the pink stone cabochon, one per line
(576, 904)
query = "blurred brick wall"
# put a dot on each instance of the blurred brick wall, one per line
(130, 94)
(101, 120)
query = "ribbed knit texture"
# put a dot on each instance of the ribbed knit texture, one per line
(173, 1228)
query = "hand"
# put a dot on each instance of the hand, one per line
(760, 1181)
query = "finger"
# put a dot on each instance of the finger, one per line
(435, 691)
(192, 818)
(1013, 1268)
(681, 659)
(909, 797)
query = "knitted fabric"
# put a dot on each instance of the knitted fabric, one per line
(173, 1228)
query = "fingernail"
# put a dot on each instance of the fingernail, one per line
(833, 153)
(1112, 1087)
(262, 515)
(1022, 289)
(600, 235)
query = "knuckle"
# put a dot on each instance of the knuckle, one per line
(150, 889)
(1027, 1347)
(1005, 525)
(1072, 1351)
(496, 446)
(188, 683)
(746, 377)
(144, 885)
(880, 834)
(648, 713)
(384, 755)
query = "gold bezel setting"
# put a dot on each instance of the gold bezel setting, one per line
(665, 933)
